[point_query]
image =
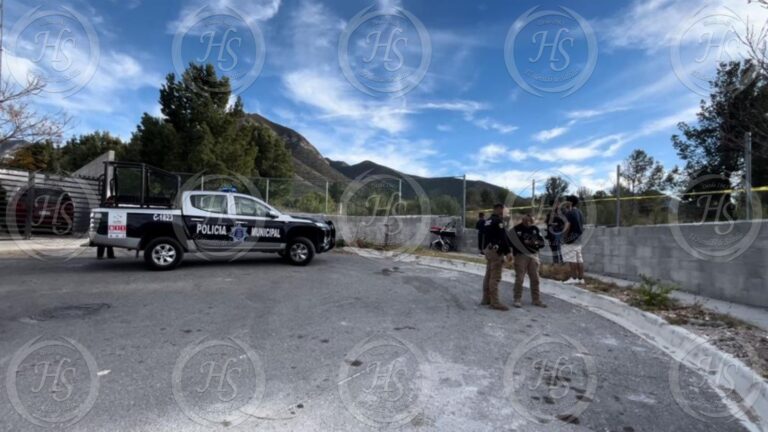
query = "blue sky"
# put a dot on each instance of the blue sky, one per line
(643, 65)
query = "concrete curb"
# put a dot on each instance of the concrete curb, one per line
(682, 345)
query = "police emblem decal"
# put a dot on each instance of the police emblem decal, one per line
(239, 233)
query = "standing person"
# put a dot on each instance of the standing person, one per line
(479, 226)
(574, 229)
(496, 246)
(555, 225)
(110, 202)
(100, 252)
(525, 246)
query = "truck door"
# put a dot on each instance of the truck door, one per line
(207, 221)
(259, 230)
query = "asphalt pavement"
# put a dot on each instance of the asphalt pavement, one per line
(347, 343)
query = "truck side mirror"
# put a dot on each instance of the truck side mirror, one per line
(273, 214)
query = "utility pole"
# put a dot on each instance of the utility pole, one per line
(748, 172)
(618, 196)
(1, 38)
(533, 193)
(464, 203)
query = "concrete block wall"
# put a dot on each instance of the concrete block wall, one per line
(408, 231)
(687, 259)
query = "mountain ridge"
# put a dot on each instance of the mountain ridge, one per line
(310, 165)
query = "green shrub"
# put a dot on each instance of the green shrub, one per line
(652, 294)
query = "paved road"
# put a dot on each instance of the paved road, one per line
(347, 343)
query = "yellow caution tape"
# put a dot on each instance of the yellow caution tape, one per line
(642, 197)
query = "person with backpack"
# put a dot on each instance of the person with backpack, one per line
(555, 222)
(572, 236)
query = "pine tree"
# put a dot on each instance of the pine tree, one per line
(737, 105)
(201, 131)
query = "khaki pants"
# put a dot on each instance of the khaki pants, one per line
(529, 265)
(494, 265)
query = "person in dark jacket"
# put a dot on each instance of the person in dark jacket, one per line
(496, 246)
(110, 202)
(555, 226)
(573, 233)
(526, 243)
(479, 226)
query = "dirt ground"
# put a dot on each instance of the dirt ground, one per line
(731, 335)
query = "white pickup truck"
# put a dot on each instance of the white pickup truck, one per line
(217, 222)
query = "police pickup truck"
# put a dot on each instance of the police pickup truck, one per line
(216, 224)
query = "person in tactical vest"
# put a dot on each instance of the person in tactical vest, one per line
(526, 243)
(496, 246)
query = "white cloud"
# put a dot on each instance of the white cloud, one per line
(354, 146)
(487, 123)
(667, 122)
(444, 128)
(331, 96)
(491, 152)
(520, 181)
(464, 106)
(518, 155)
(590, 148)
(251, 11)
(548, 134)
(655, 25)
(116, 75)
(336, 100)
(587, 114)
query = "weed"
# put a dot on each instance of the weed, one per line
(653, 294)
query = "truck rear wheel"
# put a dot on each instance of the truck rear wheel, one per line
(164, 253)
(300, 251)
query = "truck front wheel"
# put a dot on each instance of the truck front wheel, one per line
(300, 251)
(164, 253)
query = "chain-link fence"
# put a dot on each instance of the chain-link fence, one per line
(366, 196)
(710, 199)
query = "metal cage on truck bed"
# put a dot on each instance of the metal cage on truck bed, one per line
(137, 184)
